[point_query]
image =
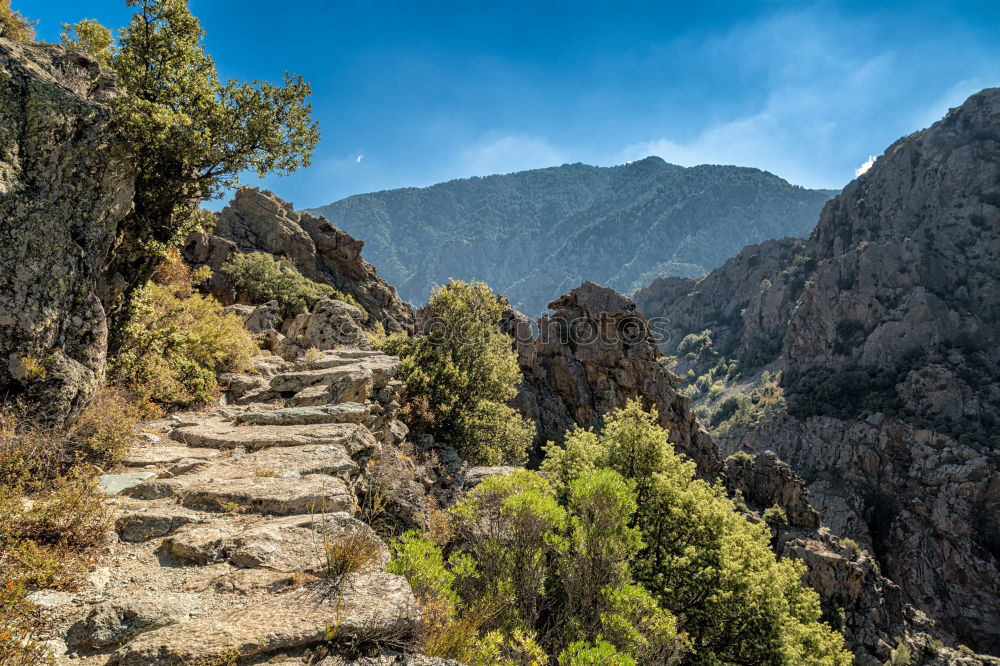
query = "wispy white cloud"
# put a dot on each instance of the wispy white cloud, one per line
(821, 87)
(499, 152)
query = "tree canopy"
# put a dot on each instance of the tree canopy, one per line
(460, 374)
(189, 134)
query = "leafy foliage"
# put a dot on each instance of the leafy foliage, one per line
(14, 26)
(178, 341)
(703, 561)
(265, 279)
(189, 135)
(90, 36)
(461, 373)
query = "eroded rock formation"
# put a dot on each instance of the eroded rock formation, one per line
(591, 356)
(65, 188)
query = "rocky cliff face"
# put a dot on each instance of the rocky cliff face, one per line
(258, 221)
(885, 325)
(590, 357)
(65, 188)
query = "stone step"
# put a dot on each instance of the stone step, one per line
(291, 544)
(312, 493)
(142, 523)
(301, 379)
(164, 455)
(361, 606)
(346, 412)
(353, 437)
(288, 462)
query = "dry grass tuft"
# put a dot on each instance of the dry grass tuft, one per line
(349, 553)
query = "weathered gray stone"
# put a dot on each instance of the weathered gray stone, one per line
(112, 484)
(153, 489)
(332, 324)
(307, 494)
(286, 462)
(163, 455)
(348, 412)
(138, 525)
(362, 605)
(114, 622)
(352, 436)
(66, 185)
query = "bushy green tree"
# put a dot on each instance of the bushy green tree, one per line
(701, 559)
(598, 653)
(179, 341)
(511, 526)
(461, 372)
(90, 36)
(188, 134)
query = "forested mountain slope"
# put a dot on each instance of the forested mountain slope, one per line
(533, 235)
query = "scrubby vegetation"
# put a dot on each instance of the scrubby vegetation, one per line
(52, 516)
(748, 408)
(460, 374)
(178, 341)
(265, 278)
(617, 554)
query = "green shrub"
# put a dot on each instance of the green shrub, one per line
(775, 518)
(705, 563)
(265, 279)
(461, 373)
(178, 341)
(852, 546)
(598, 653)
(618, 552)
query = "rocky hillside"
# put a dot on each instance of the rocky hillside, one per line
(535, 235)
(596, 351)
(885, 325)
(258, 221)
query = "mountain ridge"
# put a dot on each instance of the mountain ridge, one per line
(533, 235)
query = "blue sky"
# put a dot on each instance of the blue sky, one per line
(413, 93)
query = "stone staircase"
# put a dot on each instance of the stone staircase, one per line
(239, 533)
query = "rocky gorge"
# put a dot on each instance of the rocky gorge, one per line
(231, 521)
(882, 326)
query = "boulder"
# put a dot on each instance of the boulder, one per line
(594, 354)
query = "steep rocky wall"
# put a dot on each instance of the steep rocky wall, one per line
(65, 187)
(885, 327)
(259, 221)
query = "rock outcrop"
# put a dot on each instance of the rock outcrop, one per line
(885, 326)
(856, 597)
(591, 356)
(65, 188)
(258, 221)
